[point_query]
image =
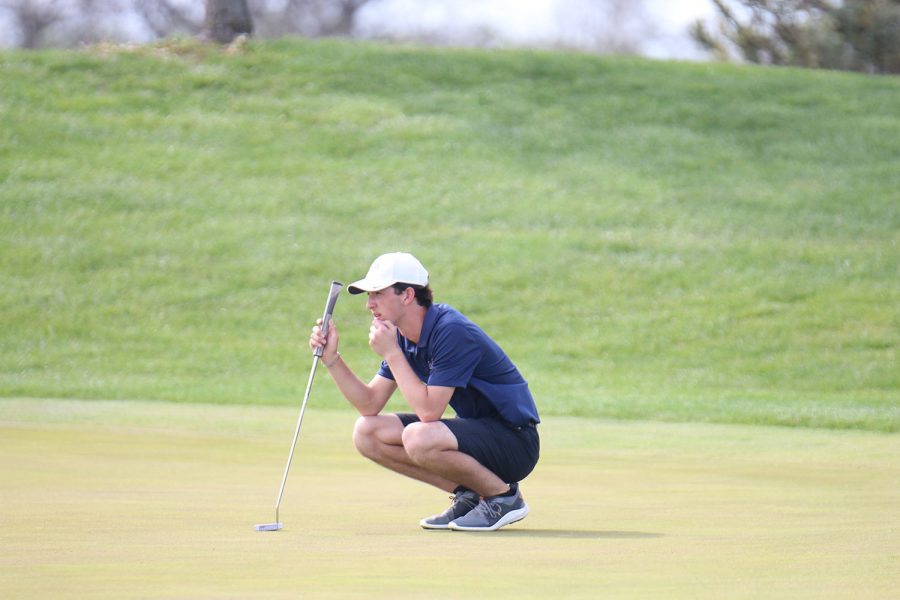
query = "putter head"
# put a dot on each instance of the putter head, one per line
(267, 527)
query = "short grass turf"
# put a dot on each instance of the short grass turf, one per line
(158, 500)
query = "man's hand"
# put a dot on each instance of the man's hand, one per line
(317, 340)
(383, 338)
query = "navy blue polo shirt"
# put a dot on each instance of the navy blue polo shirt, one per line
(455, 352)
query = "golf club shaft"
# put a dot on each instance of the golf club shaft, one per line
(287, 467)
(333, 293)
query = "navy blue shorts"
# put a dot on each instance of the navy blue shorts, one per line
(509, 452)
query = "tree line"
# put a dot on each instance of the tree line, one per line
(71, 23)
(859, 35)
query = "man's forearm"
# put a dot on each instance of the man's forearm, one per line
(353, 388)
(414, 390)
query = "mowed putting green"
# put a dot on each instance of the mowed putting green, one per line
(154, 500)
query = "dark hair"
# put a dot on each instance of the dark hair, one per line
(423, 293)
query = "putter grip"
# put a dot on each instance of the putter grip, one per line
(333, 294)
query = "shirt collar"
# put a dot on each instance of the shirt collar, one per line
(430, 317)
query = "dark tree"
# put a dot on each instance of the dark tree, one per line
(226, 20)
(860, 35)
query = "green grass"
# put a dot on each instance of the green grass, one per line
(648, 240)
(158, 500)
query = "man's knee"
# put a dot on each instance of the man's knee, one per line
(423, 440)
(370, 434)
(364, 435)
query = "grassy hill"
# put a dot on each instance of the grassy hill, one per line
(648, 240)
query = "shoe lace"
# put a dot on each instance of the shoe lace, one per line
(489, 509)
(464, 498)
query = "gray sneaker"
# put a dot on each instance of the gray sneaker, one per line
(492, 513)
(463, 502)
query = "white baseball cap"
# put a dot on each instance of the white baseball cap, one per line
(388, 269)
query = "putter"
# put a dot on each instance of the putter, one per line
(317, 353)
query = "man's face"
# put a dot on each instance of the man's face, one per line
(385, 305)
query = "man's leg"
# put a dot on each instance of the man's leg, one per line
(434, 448)
(429, 452)
(380, 439)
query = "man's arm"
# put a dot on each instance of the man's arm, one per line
(428, 402)
(369, 399)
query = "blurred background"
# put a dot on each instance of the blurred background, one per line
(653, 28)
(857, 35)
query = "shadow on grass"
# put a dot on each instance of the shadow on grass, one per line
(574, 534)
